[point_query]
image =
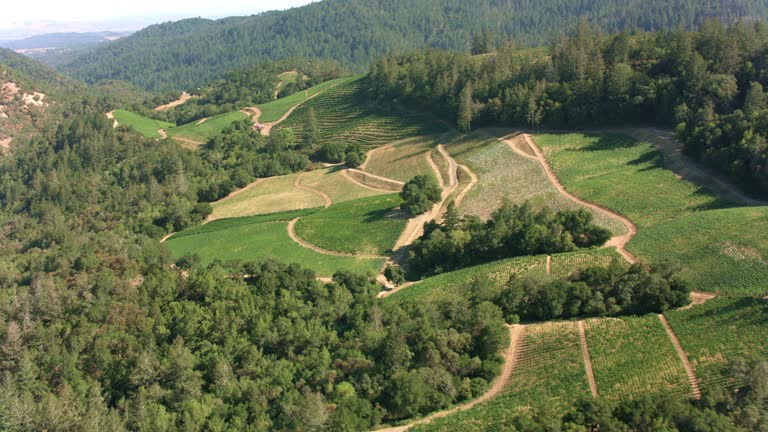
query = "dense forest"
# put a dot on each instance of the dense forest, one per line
(708, 84)
(191, 53)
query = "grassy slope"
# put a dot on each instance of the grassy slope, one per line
(272, 111)
(723, 328)
(144, 125)
(367, 225)
(403, 160)
(676, 219)
(336, 185)
(550, 371)
(271, 195)
(209, 128)
(505, 174)
(253, 238)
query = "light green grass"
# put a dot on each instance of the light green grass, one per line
(336, 185)
(272, 111)
(403, 160)
(211, 127)
(144, 125)
(506, 175)
(563, 265)
(634, 356)
(677, 220)
(549, 372)
(270, 195)
(368, 226)
(722, 329)
(253, 239)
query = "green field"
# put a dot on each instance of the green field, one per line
(564, 264)
(505, 174)
(336, 185)
(369, 226)
(272, 111)
(257, 238)
(634, 356)
(676, 219)
(144, 125)
(209, 128)
(270, 195)
(345, 115)
(403, 160)
(722, 329)
(549, 373)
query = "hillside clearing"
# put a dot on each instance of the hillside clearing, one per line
(144, 125)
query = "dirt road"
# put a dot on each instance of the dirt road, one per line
(587, 360)
(689, 371)
(183, 98)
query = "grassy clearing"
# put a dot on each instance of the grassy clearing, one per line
(677, 219)
(143, 125)
(724, 328)
(345, 115)
(272, 111)
(364, 226)
(505, 174)
(634, 356)
(549, 372)
(236, 222)
(336, 185)
(255, 238)
(719, 249)
(271, 195)
(403, 160)
(207, 129)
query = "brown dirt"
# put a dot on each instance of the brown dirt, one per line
(689, 371)
(587, 360)
(619, 242)
(357, 182)
(201, 121)
(511, 355)
(699, 298)
(277, 89)
(387, 183)
(163, 134)
(186, 142)
(436, 169)
(182, 98)
(549, 264)
(111, 116)
(325, 196)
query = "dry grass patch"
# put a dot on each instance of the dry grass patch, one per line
(270, 195)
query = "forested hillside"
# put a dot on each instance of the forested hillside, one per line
(709, 84)
(194, 52)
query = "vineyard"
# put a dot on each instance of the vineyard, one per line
(345, 115)
(549, 374)
(143, 125)
(679, 221)
(213, 126)
(402, 160)
(254, 239)
(272, 111)
(332, 182)
(368, 226)
(270, 195)
(505, 174)
(562, 265)
(634, 356)
(722, 329)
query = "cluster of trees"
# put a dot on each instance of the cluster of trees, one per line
(512, 230)
(193, 52)
(595, 291)
(419, 194)
(740, 408)
(708, 84)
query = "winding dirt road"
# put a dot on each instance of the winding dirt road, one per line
(511, 355)
(620, 241)
(396, 184)
(345, 173)
(182, 98)
(292, 234)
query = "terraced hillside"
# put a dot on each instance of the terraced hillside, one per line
(676, 219)
(344, 115)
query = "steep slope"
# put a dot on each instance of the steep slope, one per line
(195, 51)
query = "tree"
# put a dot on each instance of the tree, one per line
(755, 101)
(394, 274)
(465, 113)
(419, 194)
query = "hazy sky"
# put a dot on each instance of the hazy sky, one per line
(33, 16)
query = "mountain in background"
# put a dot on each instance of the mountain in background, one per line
(193, 52)
(55, 49)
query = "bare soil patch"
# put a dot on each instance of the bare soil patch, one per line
(182, 98)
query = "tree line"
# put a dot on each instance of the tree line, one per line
(707, 84)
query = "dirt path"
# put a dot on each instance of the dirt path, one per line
(587, 360)
(474, 179)
(277, 89)
(620, 241)
(689, 371)
(6, 143)
(325, 196)
(396, 184)
(267, 127)
(201, 121)
(163, 134)
(699, 298)
(254, 112)
(188, 141)
(111, 116)
(370, 153)
(549, 264)
(435, 168)
(183, 98)
(292, 234)
(516, 336)
(345, 173)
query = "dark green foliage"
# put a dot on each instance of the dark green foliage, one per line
(419, 194)
(513, 230)
(595, 291)
(192, 52)
(394, 274)
(708, 84)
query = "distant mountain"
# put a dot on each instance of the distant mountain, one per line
(192, 52)
(62, 40)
